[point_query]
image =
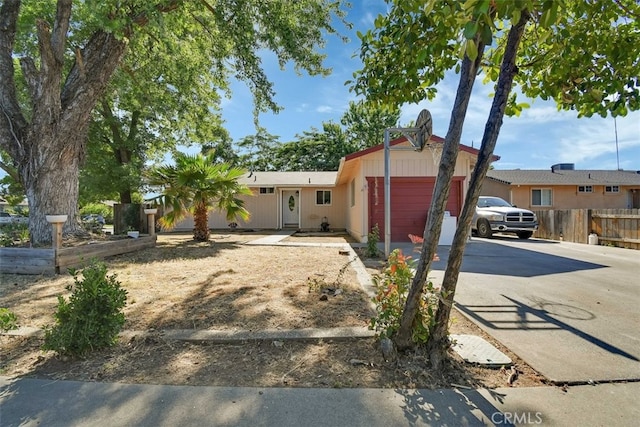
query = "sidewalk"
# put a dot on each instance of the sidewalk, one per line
(31, 402)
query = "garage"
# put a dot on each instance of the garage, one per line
(410, 201)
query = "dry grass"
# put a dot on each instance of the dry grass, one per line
(220, 284)
(226, 284)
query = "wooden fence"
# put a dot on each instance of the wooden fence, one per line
(616, 227)
(131, 216)
(52, 261)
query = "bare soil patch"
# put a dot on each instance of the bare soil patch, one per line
(224, 284)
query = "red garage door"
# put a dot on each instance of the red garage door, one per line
(410, 201)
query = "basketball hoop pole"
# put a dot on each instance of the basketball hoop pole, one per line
(387, 195)
(417, 137)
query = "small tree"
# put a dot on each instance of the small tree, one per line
(546, 65)
(195, 185)
(92, 317)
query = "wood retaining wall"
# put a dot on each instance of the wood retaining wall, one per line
(51, 261)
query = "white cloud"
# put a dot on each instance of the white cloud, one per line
(368, 19)
(325, 109)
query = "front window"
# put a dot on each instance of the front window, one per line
(541, 197)
(611, 189)
(585, 189)
(323, 197)
(267, 190)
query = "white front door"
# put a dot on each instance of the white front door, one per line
(290, 209)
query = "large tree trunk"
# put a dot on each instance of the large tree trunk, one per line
(119, 144)
(438, 342)
(48, 149)
(433, 227)
(50, 179)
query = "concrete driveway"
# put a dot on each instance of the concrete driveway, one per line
(572, 311)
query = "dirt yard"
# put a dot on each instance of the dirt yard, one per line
(225, 284)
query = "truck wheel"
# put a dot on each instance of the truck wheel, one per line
(484, 229)
(524, 234)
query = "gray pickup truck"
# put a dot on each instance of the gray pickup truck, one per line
(494, 214)
(7, 218)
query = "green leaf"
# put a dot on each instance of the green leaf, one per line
(515, 16)
(484, 6)
(428, 7)
(470, 30)
(422, 55)
(487, 35)
(471, 50)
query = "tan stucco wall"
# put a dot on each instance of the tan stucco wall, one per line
(261, 206)
(567, 197)
(266, 211)
(263, 210)
(311, 214)
(491, 187)
(356, 214)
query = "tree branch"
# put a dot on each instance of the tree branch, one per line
(12, 121)
(60, 29)
(10, 170)
(133, 126)
(107, 113)
(30, 73)
(142, 19)
(635, 15)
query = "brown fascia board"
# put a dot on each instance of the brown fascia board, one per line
(434, 138)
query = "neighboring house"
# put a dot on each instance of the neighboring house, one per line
(352, 198)
(4, 205)
(563, 187)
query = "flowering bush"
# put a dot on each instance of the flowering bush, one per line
(392, 287)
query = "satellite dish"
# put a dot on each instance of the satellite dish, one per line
(425, 128)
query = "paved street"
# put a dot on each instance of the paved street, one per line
(31, 402)
(570, 310)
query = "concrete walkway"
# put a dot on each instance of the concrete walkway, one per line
(276, 237)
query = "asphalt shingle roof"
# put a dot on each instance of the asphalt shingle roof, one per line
(566, 177)
(292, 179)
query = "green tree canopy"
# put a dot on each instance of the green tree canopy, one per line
(361, 126)
(68, 52)
(153, 104)
(588, 61)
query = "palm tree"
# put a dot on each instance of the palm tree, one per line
(195, 185)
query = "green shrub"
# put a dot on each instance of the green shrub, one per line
(392, 287)
(8, 320)
(13, 234)
(372, 242)
(92, 318)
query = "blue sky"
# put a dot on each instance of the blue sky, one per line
(540, 137)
